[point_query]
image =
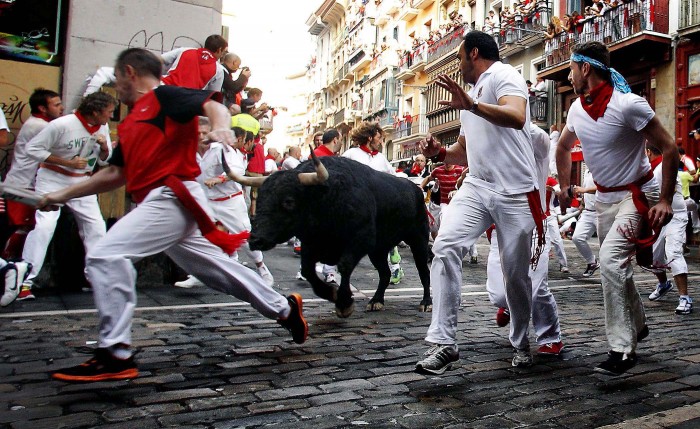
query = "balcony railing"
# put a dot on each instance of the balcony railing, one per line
(413, 57)
(446, 44)
(538, 109)
(342, 72)
(410, 152)
(690, 13)
(417, 126)
(339, 116)
(626, 20)
(521, 27)
(357, 105)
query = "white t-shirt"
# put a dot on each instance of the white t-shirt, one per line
(500, 159)
(553, 143)
(678, 203)
(270, 166)
(540, 146)
(588, 198)
(65, 137)
(376, 162)
(290, 163)
(613, 146)
(23, 169)
(210, 164)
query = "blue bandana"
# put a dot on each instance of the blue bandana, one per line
(619, 82)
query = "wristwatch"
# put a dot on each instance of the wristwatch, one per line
(475, 106)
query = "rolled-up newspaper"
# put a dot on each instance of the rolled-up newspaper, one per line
(21, 195)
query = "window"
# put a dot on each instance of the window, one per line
(396, 33)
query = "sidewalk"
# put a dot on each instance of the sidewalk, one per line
(209, 361)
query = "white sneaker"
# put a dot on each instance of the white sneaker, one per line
(14, 276)
(266, 275)
(330, 278)
(299, 276)
(191, 282)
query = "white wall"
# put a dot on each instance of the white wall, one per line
(99, 29)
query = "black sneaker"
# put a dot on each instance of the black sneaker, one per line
(101, 367)
(641, 335)
(438, 359)
(295, 322)
(617, 363)
(591, 268)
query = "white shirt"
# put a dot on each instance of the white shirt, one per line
(678, 203)
(290, 163)
(23, 169)
(3, 121)
(376, 162)
(589, 198)
(540, 146)
(500, 159)
(553, 142)
(65, 137)
(210, 164)
(613, 146)
(270, 166)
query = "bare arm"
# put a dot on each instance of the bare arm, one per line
(4, 138)
(220, 120)
(510, 112)
(563, 156)
(104, 180)
(455, 154)
(657, 136)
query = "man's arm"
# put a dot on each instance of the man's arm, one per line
(455, 154)
(657, 136)
(104, 180)
(563, 157)
(220, 120)
(510, 112)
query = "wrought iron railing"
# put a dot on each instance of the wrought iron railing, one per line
(404, 128)
(446, 44)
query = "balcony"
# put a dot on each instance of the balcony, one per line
(522, 32)
(343, 74)
(419, 58)
(404, 72)
(359, 59)
(447, 44)
(392, 6)
(408, 11)
(410, 132)
(538, 109)
(689, 16)
(639, 28)
(382, 19)
(266, 124)
(421, 4)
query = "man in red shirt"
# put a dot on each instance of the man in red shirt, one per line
(331, 144)
(156, 160)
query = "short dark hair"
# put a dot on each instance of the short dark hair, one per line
(40, 97)
(249, 136)
(488, 49)
(96, 102)
(238, 132)
(598, 52)
(215, 42)
(329, 135)
(653, 149)
(247, 105)
(144, 62)
(681, 151)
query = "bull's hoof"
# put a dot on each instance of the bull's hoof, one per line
(425, 307)
(375, 306)
(345, 312)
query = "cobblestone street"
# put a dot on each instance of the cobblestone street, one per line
(210, 361)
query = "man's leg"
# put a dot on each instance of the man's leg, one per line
(545, 317)
(675, 239)
(557, 242)
(91, 225)
(585, 227)
(38, 241)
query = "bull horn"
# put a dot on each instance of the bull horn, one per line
(243, 180)
(317, 178)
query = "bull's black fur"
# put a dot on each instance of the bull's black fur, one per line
(356, 212)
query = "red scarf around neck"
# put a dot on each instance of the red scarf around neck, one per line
(416, 169)
(42, 116)
(656, 162)
(368, 150)
(597, 100)
(270, 157)
(92, 129)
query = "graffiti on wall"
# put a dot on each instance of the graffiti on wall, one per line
(156, 42)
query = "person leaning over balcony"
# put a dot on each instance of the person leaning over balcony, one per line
(612, 125)
(501, 188)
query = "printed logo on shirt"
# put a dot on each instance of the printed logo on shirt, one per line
(478, 95)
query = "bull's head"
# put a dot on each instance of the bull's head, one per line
(279, 212)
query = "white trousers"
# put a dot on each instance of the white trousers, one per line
(161, 224)
(233, 214)
(624, 312)
(692, 207)
(668, 248)
(436, 212)
(545, 318)
(555, 240)
(472, 210)
(585, 227)
(86, 210)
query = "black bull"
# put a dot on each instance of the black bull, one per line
(355, 212)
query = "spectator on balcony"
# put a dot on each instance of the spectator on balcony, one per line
(494, 19)
(232, 88)
(568, 24)
(408, 122)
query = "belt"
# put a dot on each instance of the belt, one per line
(61, 170)
(227, 198)
(589, 210)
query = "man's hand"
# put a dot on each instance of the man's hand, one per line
(660, 214)
(213, 182)
(51, 202)
(564, 199)
(460, 99)
(578, 190)
(222, 135)
(246, 72)
(429, 147)
(77, 163)
(102, 141)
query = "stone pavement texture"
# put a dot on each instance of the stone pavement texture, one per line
(210, 361)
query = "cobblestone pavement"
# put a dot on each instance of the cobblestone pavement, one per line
(209, 361)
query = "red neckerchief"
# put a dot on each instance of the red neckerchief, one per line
(366, 149)
(42, 116)
(323, 151)
(416, 169)
(270, 157)
(92, 129)
(656, 162)
(597, 101)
